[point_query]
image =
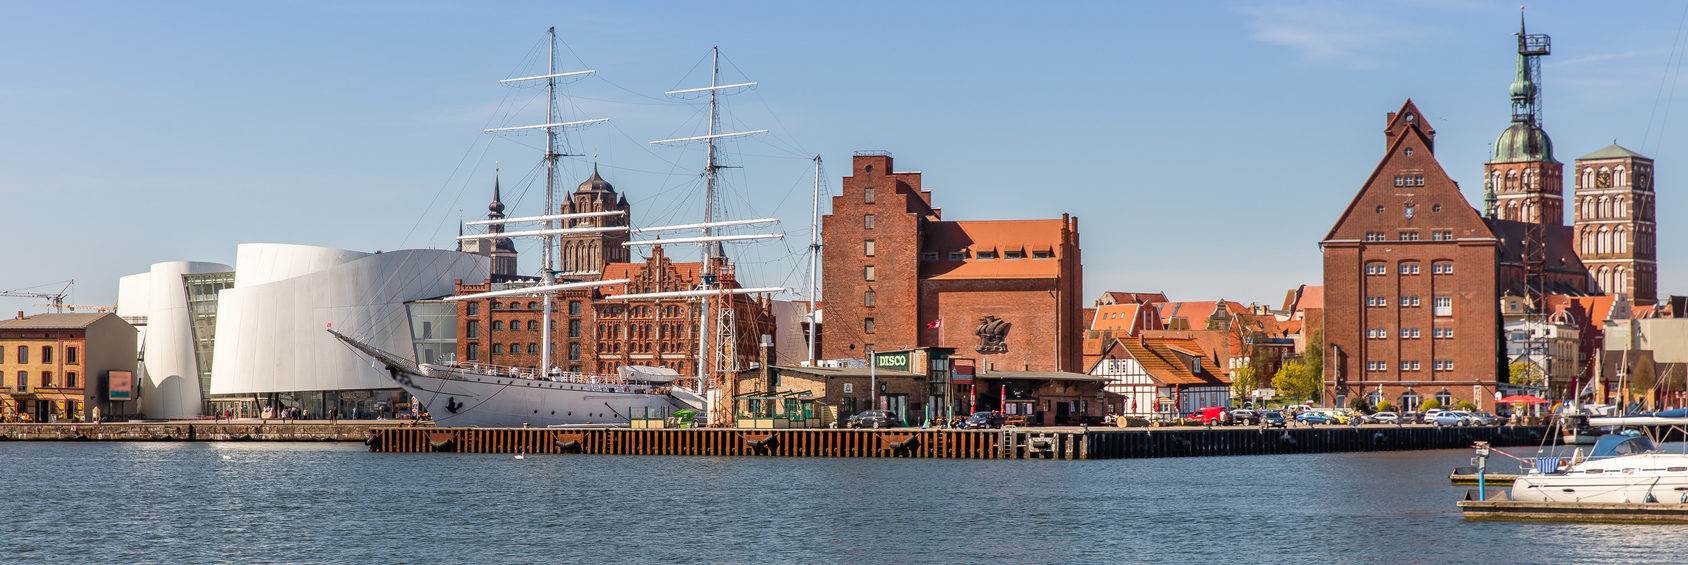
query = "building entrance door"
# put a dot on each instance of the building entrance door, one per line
(897, 404)
(1062, 412)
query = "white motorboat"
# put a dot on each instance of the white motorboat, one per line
(1621, 468)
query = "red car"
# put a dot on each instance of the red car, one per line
(1207, 416)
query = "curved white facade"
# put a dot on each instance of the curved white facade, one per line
(169, 372)
(270, 326)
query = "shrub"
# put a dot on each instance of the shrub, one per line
(1359, 404)
(1430, 404)
(1385, 406)
(1467, 406)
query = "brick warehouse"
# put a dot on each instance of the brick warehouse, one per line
(898, 276)
(1411, 282)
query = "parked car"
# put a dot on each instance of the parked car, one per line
(1484, 419)
(1312, 417)
(983, 420)
(1386, 418)
(1273, 419)
(874, 419)
(1429, 416)
(1451, 418)
(1207, 416)
(1245, 416)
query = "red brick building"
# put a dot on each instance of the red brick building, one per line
(1411, 282)
(898, 276)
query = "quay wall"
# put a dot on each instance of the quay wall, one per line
(191, 431)
(1023, 443)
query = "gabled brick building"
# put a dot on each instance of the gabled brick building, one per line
(899, 276)
(1410, 282)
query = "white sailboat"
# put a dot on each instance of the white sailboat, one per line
(1621, 468)
(471, 394)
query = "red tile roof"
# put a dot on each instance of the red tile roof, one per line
(1167, 360)
(1001, 236)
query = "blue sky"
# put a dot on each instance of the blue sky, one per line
(1205, 146)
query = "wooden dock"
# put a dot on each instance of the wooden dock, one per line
(1498, 508)
(1014, 443)
(274, 430)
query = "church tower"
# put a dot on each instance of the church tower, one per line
(501, 250)
(1522, 181)
(583, 256)
(1615, 222)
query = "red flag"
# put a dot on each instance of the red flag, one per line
(935, 324)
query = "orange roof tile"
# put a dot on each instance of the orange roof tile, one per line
(1161, 358)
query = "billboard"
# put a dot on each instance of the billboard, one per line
(120, 385)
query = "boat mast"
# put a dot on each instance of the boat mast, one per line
(814, 255)
(545, 269)
(709, 247)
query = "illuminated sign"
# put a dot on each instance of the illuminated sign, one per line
(898, 361)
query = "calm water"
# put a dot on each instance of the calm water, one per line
(248, 502)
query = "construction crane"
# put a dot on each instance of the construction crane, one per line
(56, 299)
(86, 307)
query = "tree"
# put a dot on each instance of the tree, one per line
(1243, 383)
(1526, 373)
(1359, 404)
(1299, 380)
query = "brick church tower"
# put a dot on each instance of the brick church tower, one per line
(501, 250)
(1522, 181)
(583, 256)
(1615, 227)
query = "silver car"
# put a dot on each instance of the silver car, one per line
(1385, 418)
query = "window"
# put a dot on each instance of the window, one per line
(46, 354)
(1435, 207)
(1376, 333)
(474, 351)
(1409, 150)
(1407, 235)
(867, 248)
(1409, 268)
(1444, 398)
(1409, 301)
(533, 325)
(23, 381)
(533, 348)
(868, 273)
(1042, 254)
(494, 305)
(867, 325)
(474, 308)
(1376, 301)
(23, 355)
(1444, 306)
(1409, 365)
(574, 307)
(1398, 180)
(867, 221)
(515, 348)
(983, 254)
(70, 379)
(1376, 268)
(497, 325)
(473, 330)
(869, 298)
(958, 255)
(70, 355)
(1442, 268)
(497, 348)
(867, 195)
(574, 328)
(1442, 333)
(1380, 208)
(46, 378)
(1374, 236)
(929, 256)
(574, 352)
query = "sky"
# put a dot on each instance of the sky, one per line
(1206, 147)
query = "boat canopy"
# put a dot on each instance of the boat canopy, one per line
(1614, 445)
(1658, 420)
(646, 374)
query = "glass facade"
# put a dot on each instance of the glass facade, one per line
(202, 289)
(433, 330)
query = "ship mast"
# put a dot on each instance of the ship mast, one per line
(546, 268)
(814, 256)
(711, 244)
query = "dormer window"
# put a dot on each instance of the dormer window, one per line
(986, 254)
(958, 255)
(929, 256)
(1043, 254)
(1015, 254)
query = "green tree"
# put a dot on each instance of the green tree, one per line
(1526, 373)
(1298, 380)
(1359, 404)
(1243, 383)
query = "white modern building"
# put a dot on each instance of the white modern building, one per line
(167, 305)
(256, 331)
(271, 337)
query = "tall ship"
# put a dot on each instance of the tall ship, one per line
(468, 393)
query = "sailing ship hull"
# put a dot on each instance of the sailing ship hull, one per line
(461, 398)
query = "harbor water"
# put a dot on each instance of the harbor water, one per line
(100, 502)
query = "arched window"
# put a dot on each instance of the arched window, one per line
(1444, 398)
(497, 349)
(1588, 177)
(1620, 280)
(1620, 241)
(1603, 242)
(1409, 401)
(1587, 240)
(1618, 176)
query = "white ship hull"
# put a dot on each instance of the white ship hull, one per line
(455, 397)
(1652, 477)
